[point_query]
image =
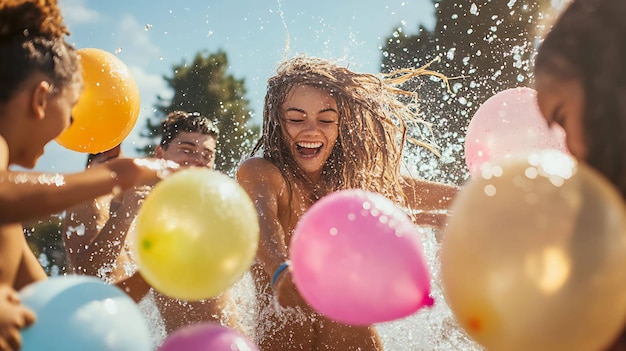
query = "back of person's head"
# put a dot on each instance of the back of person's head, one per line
(588, 43)
(190, 122)
(32, 41)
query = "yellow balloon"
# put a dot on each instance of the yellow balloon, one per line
(534, 257)
(195, 235)
(108, 107)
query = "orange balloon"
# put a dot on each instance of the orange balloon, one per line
(533, 257)
(108, 106)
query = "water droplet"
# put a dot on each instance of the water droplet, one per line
(474, 9)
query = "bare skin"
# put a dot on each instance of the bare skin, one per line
(103, 249)
(278, 217)
(310, 129)
(28, 121)
(13, 318)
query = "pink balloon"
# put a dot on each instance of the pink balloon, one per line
(206, 336)
(508, 123)
(357, 258)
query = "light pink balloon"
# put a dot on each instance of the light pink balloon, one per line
(509, 123)
(357, 258)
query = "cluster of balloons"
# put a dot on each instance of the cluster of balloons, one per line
(195, 235)
(108, 107)
(357, 258)
(508, 123)
(77, 313)
(534, 256)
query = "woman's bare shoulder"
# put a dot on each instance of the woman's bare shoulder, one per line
(258, 169)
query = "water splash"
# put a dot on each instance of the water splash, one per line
(288, 36)
(54, 179)
(432, 329)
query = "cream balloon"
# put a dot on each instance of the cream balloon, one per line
(534, 256)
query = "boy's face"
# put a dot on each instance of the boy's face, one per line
(563, 102)
(311, 127)
(190, 149)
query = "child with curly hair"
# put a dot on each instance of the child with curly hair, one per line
(41, 82)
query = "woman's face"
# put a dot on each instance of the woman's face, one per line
(310, 127)
(563, 102)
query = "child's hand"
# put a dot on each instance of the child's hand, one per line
(155, 167)
(141, 171)
(13, 317)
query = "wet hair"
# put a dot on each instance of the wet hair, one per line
(588, 42)
(372, 128)
(32, 41)
(180, 121)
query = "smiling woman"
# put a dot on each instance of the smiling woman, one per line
(152, 36)
(325, 128)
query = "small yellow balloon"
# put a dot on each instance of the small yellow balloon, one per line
(108, 107)
(196, 234)
(534, 257)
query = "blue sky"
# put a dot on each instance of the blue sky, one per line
(150, 36)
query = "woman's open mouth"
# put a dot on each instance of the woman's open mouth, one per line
(309, 149)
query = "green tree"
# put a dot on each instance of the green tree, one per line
(204, 86)
(488, 43)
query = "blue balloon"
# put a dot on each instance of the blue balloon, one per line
(78, 313)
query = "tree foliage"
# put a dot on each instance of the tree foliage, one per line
(487, 44)
(45, 239)
(203, 85)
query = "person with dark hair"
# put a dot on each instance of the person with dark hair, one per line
(189, 139)
(580, 78)
(96, 234)
(325, 128)
(41, 82)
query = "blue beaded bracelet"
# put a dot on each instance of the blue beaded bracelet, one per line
(278, 272)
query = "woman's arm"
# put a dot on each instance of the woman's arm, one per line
(268, 190)
(429, 201)
(263, 182)
(424, 195)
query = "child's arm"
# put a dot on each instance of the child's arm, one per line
(27, 195)
(99, 244)
(134, 286)
(18, 265)
(13, 317)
